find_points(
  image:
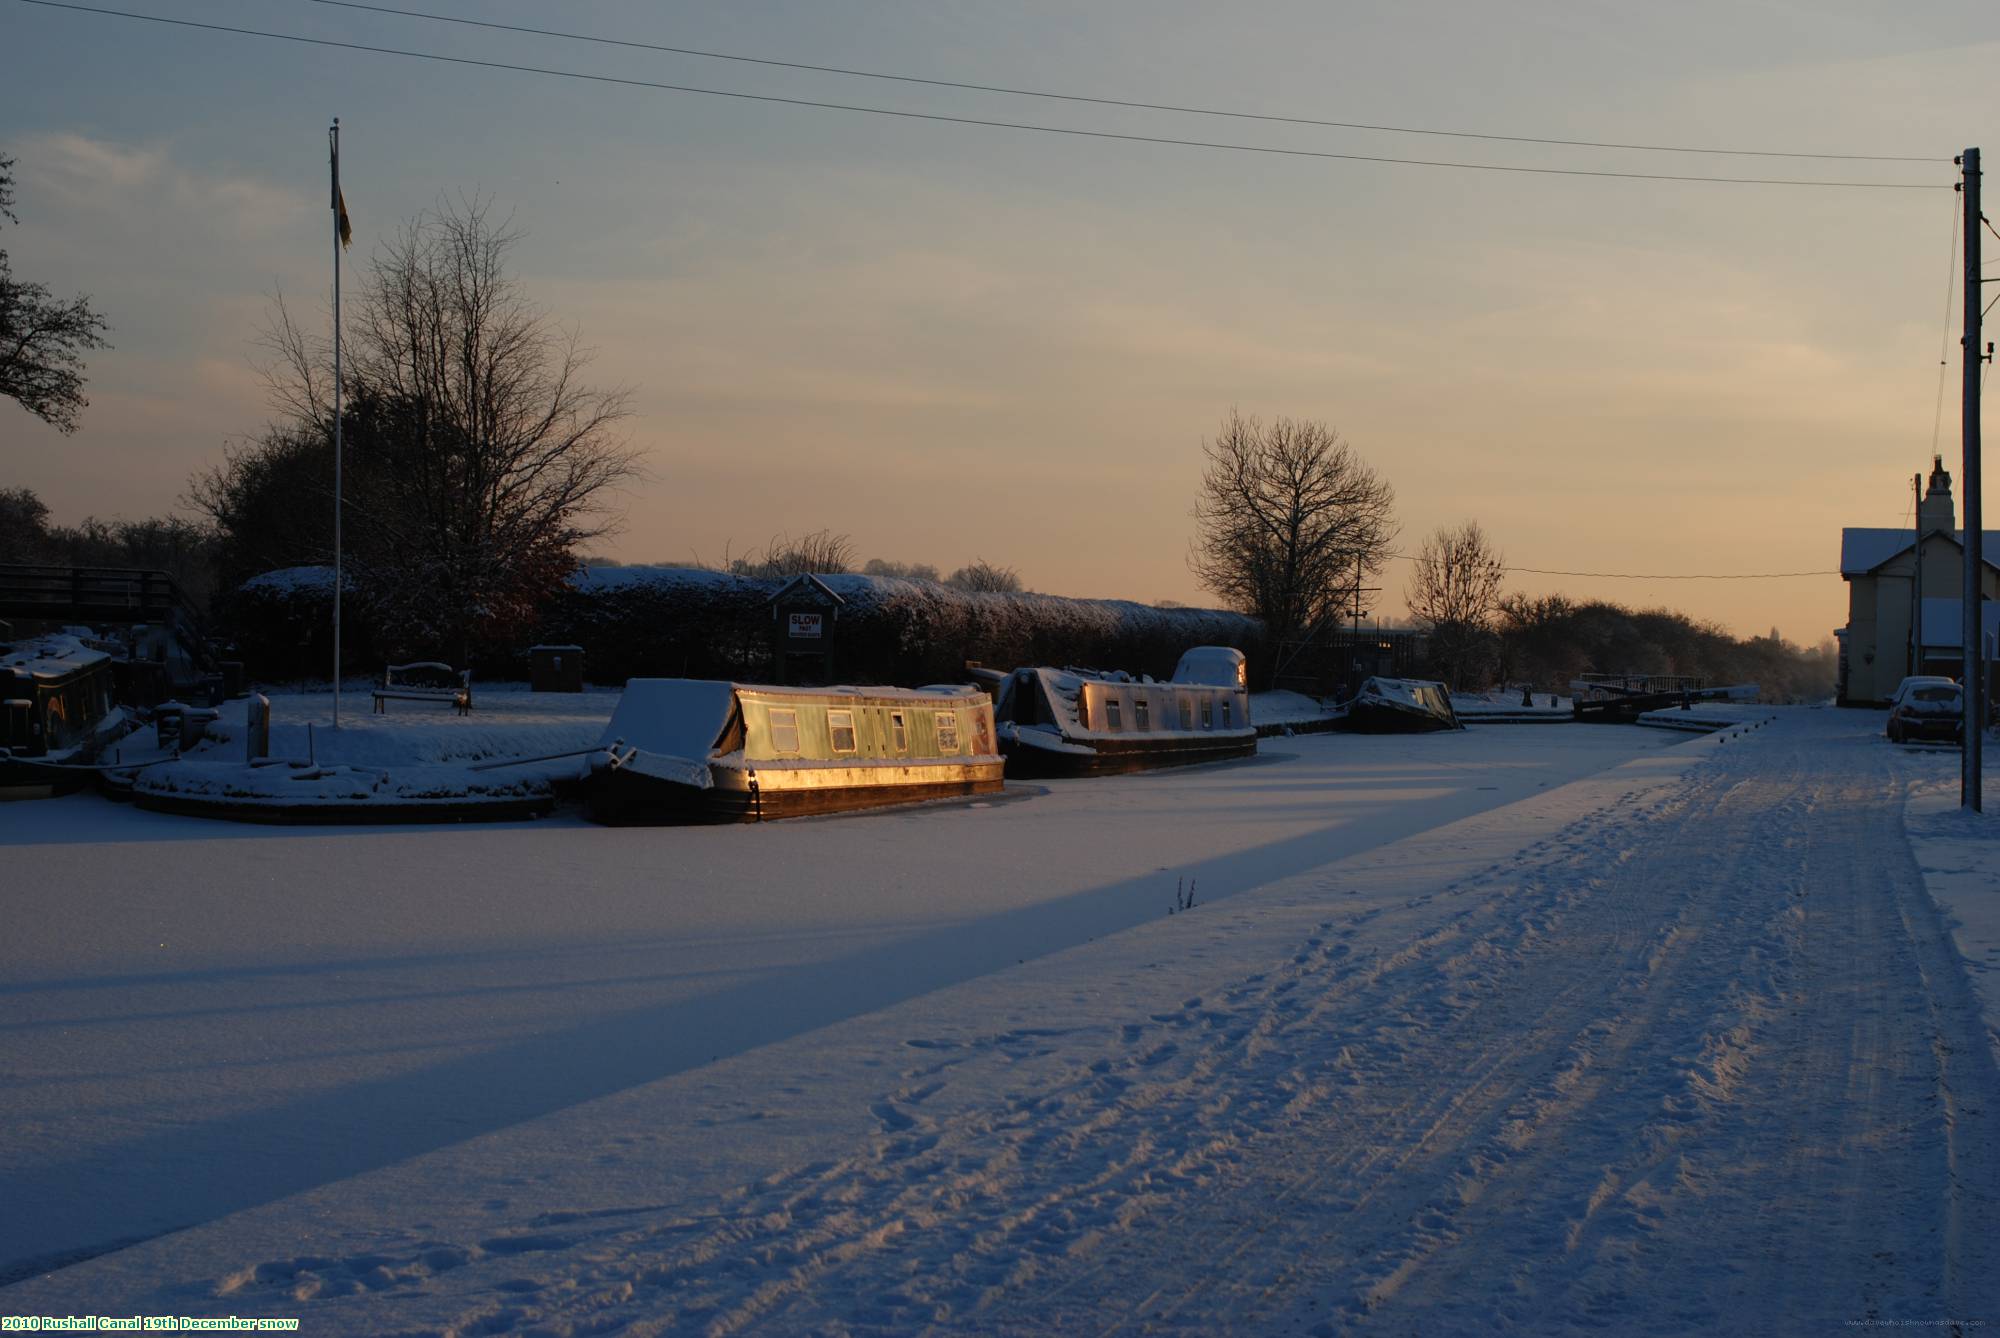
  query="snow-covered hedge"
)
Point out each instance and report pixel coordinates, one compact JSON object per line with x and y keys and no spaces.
{"x":635,"y":621}
{"x":682,"y":622}
{"x":282,"y":625}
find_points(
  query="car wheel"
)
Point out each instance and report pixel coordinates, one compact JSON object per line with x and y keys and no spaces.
{"x":1895,"y":732}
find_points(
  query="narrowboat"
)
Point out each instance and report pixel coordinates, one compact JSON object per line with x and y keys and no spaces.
{"x":1401,"y":706}
{"x":56,"y":713}
{"x":688,"y":750}
{"x":1087,"y":722}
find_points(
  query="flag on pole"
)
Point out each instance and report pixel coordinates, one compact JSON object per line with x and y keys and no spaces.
{"x":339,"y":200}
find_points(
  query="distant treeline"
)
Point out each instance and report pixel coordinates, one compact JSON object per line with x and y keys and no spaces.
{"x":182,"y":549}
{"x":1548,"y":641}
{"x":896,"y":628}
{"x":692,"y":623}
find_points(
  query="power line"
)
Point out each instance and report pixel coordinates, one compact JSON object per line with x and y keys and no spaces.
{"x":1651,"y":576}
{"x":1112,"y":102}
{"x":978,"y":121}
{"x":1944,"y":339}
{"x":1682,"y":576}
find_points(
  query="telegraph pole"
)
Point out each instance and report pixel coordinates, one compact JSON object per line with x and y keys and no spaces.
{"x":1975,"y":675}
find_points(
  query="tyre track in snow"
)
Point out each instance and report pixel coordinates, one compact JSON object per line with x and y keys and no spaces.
{"x":1518,"y":1056}
{"x":1779,"y":1122}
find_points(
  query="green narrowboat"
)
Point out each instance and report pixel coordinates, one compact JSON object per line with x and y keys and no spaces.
{"x":689,"y":750}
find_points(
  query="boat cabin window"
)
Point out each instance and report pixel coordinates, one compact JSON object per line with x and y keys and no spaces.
{"x":840,"y":726}
{"x":1207,"y":714}
{"x":784,"y":730}
{"x":947,"y":731}
{"x":1141,"y":709}
{"x":1225,"y":713}
{"x":1111,"y":713}
{"x":1187,"y":713}
{"x":899,"y":732}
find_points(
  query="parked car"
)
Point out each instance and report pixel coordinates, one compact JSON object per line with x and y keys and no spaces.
{"x":1926,"y":707}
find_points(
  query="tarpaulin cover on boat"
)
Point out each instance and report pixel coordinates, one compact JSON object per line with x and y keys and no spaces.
{"x":674,"y":723}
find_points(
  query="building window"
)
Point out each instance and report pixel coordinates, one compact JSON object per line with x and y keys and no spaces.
{"x":840,"y":727}
{"x":947,"y":731}
{"x":784,"y":730}
{"x":899,"y":733}
{"x":1141,"y":711}
{"x":1111,"y":720}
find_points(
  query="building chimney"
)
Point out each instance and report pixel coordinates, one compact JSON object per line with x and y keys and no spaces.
{"x":1936,"y":512}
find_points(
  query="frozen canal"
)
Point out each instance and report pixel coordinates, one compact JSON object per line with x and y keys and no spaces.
{"x":1552,"y":1028}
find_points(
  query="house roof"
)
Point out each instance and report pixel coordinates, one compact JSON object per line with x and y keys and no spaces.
{"x":1862,"y":550}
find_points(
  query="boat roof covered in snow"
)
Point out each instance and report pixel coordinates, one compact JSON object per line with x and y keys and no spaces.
{"x":1401,"y":705}
{"x":48,"y":657}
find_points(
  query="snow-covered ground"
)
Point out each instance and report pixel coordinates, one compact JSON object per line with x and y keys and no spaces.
{"x":413,"y":753}
{"x":1556,"y":1030}
{"x":1469,"y":706}
{"x":1959,"y":854}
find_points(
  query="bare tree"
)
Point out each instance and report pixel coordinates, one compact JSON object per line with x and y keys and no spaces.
{"x":24,"y":526}
{"x":1287,"y":516}
{"x":822,"y":553}
{"x":479,"y":459}
{"x":1454,"y":593}
{"x":42,"y":340}
{"x":985,"y":577}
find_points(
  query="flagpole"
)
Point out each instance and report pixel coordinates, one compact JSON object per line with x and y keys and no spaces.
{"x":334,"y":142}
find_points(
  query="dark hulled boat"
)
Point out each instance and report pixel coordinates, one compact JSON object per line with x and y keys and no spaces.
{"x":1085,"y":722}
{"x":1401,"y":706}
{"x":690,"y":750}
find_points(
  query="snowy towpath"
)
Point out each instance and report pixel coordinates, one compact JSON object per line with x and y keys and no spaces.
{"x":1699,"y":1060}
{"x":1678,"y":1048}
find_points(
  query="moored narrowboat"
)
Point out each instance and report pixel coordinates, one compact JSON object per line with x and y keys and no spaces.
{"x":1084,"y":722}
{"x":56,"y":713}
{"x":1401,"y":706}
{"x":691,"y":750}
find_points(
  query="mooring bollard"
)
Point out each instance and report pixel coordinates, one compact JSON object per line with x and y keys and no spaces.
{"x":257,"y":737}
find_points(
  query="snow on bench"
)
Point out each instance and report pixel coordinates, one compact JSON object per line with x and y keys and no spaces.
{"x":425,"y":681}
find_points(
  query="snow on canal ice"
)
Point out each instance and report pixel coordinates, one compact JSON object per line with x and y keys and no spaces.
{"x":1678,"y":1046}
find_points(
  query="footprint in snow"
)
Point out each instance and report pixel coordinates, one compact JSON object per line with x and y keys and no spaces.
{"x":893,"y":1120}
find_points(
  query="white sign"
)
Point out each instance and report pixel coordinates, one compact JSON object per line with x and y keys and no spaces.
{"x":805,"y":626}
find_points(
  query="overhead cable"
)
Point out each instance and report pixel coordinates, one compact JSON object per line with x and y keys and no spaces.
{"x":1944,"y":339}
{"x":1269,"y":150}
{"x":1100,"y":101}
{"x":1650,"y":576}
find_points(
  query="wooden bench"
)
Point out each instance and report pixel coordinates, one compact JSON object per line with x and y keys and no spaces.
{"x":425,"y":681}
